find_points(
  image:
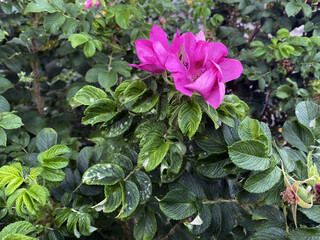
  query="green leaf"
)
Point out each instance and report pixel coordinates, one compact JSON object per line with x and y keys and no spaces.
{"x":122,"y":18}
{"x":152,"y":154}
{"x":312,"y":213}
{"x":307,"y":112}
{"x":121,"y":160}
{"x":77,"y":39}
{"x":11,"y":176}
{"x":103,"y":174}
{"x":53,"y":152}
{"x":5,"y":85}
{"x":178,"y":204}
{"x":53,"y":22}
{"x":201,"y":222}
{"x":89,"y":49}
{"x":209,"y":110}
{"x":307,"y":10}
{"x":121,"y":67}
{"x":4,"y":104}
{"x":69,"y":26}
{"x":212,"y":141}
{"x":273,"y":233}
{"x":107,"y":79}
{"x":89,"y":94}
{"x":283,"y":33}
{"x":292,"y":8}
{"x":305,"y":234}
{"x":100,"y":111}
{"x":263,"y":181}
{"x":46,"y":138}
{"x":113,"y":198}
{"x":59,"y":4}
{"x":250,"y":129}
{"x":130,"y":199}
{"x":284,"y":92}
{"x":133,"y":91}
{"x":146,"y":227}
{"x":117,"y":125}
{"x":54,"y":175}
{"x":18,"y":236}
{"x":19,"y":227}
{"x":145,"y":102}
{"x":3,"y":137}
{"x":250,"y":155}
{"x":297,"y":135}
{"x":10,"y":121}
{"x":39,"y":193}
{"x":212,"y":166}
{"x":189,"y":118}
{"x":39,"y":6}
{"x":144,"y":184}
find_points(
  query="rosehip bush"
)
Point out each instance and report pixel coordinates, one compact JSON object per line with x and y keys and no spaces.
{"x":148,"y":119}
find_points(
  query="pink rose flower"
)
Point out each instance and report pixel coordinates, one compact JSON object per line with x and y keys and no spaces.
{"x":153,"y":53}
{"x":202,"y":67}
{"x":89,"y":4}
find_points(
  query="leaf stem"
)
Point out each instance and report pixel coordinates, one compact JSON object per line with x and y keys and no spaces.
{"x":132,"y":172}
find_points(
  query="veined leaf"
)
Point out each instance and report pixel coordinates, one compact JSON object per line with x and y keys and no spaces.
{"x":178,"y":204}
{"x":251,"y":155}
{"x":189,"y":118}
{"x":103,"y":174}
{"x":130,"y":199}
{"x":152,"y":154}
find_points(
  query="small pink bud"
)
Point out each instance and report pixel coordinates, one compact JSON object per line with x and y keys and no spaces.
{"x":111,"y":4}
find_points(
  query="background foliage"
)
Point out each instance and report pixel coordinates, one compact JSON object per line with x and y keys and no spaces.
{"x":93,"y":149}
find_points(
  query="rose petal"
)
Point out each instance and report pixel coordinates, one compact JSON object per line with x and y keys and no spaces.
{"x":217,"y":51}
{"x":176,"y":44}
{"x":174,"y":65}
{"x":97,"y":3}
{"x":204,"y":83}
{"x":200,"y":54}
{"x":180,"y":81}
{"x":216,"y":95}
{"x":157,"y":34}
{"x":200,"y":36}
{"x":154,"y":68}
{"x":189,"y":47}
{"x":145,"y":51}
{"x":88,"y":4}
{"x":231,"y":69}
{"x":161,"y":53}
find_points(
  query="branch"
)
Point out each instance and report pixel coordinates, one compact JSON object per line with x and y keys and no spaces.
{"x":37,"y":86}
{"x":265,"y":104}
{"x":254,"y":33}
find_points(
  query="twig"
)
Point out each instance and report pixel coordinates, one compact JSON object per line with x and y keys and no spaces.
{"x":265,"y":104}
{"x":254,"y":33}
{"x":172,"y":230}
{"x":37,"y":86}
{"x":149,"y":76}
{"x":132,"y":172}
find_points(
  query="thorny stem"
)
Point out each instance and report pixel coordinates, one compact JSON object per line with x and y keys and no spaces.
{"x":37,"y":86}
{"x":132,"y":172}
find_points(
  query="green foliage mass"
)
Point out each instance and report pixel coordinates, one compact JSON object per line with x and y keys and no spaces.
{"x":93,"y":149}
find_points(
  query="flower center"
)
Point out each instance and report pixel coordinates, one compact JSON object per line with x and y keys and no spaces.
{"x":196,"y":75}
